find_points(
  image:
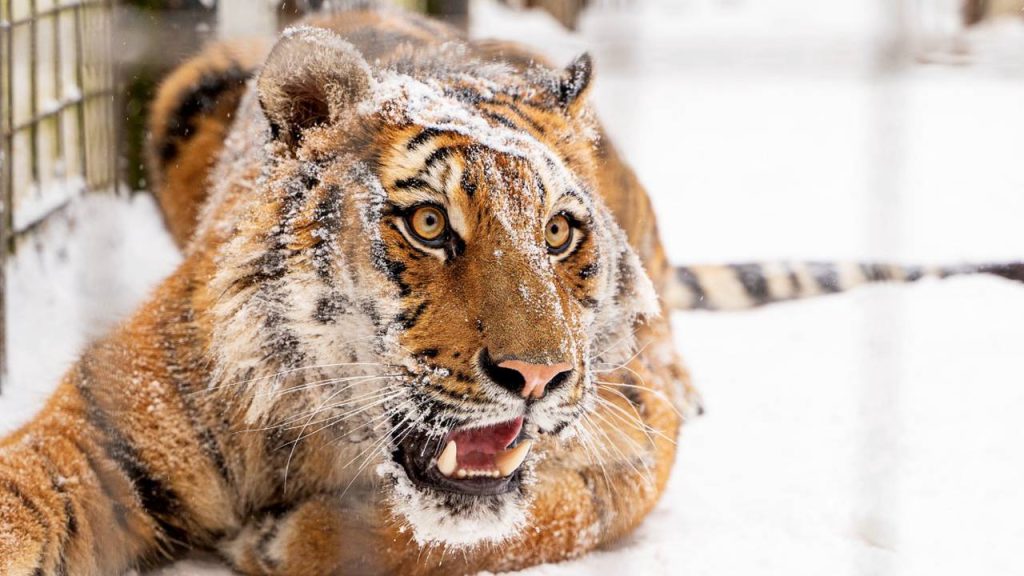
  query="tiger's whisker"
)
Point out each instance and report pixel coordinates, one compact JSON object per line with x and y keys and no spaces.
{"x":656,"y":393}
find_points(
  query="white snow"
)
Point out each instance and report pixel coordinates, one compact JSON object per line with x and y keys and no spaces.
{"x":876,"y":432}
{"x":88,"y":268}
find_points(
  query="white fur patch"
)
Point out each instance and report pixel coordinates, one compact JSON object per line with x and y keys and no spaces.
{"x":434,"y":522}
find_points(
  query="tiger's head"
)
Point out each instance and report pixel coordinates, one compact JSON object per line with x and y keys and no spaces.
{"x":426,"y":237}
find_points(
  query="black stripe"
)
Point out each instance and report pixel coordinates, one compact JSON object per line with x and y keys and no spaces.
{"x":794,"y":281}
{"x":504,"y":121}
{"x":330,"y":307}
{"x":913,"y":273}
{"x":70,"y":531}
{"x":182,"y":368}
{"x":201,"y":99}
{"x":116,"y":507}
{"x":263,"y":545}
{"x":157,"y":499}
{"x":1009,"y":270}
{"x":327,"y":215}
{"x":280,"y":342}
{"x":631,"y":391}
{"x":754,"y":282}
{"x":70,"y":518}
{"x":826,"y":275}
{"x":874,"y":272}
{"x":407,"y":319}
{"x":467,"y":185}
{"x":411,"y":183}
{"x":589,"y":270}
{"x":393,"y":269}
{"x":688,"y":279}
{"x":541,"y":188}
{"x":33,"y":509}
{"x":14,"y":490}
{"x":467,"y":95}
{"x":441,"y":153}
{"x":422,"y":138}
{"x":518,"y":112}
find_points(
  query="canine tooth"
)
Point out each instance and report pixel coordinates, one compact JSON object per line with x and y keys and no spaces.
{"x":509,"y":460}
{"x":447,"y":461}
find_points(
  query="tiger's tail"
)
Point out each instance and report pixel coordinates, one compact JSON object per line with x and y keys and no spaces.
{"x":749,"y":285}
{"x":188,"y":122}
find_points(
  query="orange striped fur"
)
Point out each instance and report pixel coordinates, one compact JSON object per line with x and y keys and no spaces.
{"x":260,"y":402}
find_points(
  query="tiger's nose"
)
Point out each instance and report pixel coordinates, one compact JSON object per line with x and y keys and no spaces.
{"x":537,"y":377}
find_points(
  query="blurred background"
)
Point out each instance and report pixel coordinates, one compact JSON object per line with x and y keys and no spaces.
{"x":871,"y":433}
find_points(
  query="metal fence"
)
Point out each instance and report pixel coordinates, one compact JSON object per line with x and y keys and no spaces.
{"x":57,"y":127}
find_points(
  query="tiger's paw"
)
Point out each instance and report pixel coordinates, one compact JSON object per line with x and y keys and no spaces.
{"x":315,"y":538}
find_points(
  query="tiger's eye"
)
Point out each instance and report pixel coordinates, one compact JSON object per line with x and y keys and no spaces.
{"x":428,"y":223}
{"x":558,"y":233}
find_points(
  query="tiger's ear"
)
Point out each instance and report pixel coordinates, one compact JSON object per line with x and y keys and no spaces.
{"x":574,"y":84}
{"x":311,"y":77}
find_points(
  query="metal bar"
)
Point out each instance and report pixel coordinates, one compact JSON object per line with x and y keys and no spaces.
{"x":80,"y":82}
{"x":83,"y":63}
{"x":30,"y":228}
{"x":8,"y":23}
{"x":58,"y":92}
{"x":33,"y":86}
{"x":6,"y":182}
{"x":64,"y":105}
{"x":115,"y":102}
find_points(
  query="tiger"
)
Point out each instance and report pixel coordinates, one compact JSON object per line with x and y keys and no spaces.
{"x":421,"y":323}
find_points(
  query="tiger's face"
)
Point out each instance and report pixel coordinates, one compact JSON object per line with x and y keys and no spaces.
{"x":446,"y":231}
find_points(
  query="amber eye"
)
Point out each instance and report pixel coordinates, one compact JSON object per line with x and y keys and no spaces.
{"x":558,"y":234}
{"x":427,"y":224}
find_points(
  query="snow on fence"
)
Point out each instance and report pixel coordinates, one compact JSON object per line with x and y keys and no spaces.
{"x":56,"y":119}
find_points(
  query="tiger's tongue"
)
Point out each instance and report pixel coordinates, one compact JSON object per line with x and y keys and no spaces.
{"x":477,"y":446}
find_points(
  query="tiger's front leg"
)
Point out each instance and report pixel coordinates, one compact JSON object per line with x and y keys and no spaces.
{"x":66,"y":507}
{"x":112,"y":474}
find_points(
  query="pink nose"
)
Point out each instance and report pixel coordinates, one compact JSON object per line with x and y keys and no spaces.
{"x":535,"y":376}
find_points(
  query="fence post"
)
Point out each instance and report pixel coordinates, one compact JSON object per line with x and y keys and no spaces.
{"x":6,"y":204}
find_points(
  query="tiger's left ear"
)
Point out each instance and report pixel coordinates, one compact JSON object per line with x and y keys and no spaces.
{"x":312,"y":77}
{"x":574,"y":84}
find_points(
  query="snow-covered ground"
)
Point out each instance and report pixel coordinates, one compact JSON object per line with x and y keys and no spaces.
{"x":876,"y":432}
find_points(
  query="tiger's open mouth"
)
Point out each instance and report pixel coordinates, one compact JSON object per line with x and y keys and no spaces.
{"x":482,"y":461}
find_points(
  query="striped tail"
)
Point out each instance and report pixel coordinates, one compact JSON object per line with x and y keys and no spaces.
{"x":741,"y":286}
{"x":188,"y":122}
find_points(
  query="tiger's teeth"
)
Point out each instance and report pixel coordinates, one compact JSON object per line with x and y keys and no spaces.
{"x":447,"y":461}
{"x":478,"y":473}
{"x":508,"y":461}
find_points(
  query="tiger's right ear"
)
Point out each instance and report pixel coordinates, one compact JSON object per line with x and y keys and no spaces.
{"x":311,"y":77}
{"x":574,"y":85}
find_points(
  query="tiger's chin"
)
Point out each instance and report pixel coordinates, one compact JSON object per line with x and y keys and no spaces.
{"x":438,"y":518}
{"x":464,"y":488}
